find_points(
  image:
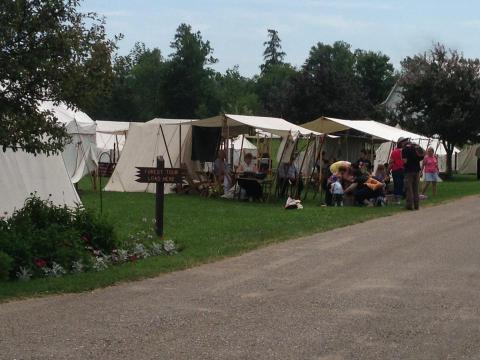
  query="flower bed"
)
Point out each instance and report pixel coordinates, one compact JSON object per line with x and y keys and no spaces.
{"x":45,"y":240}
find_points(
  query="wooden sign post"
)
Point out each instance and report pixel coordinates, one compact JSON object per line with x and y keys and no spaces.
{"x":160,"y":176}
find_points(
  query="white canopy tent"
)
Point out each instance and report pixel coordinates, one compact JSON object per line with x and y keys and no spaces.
{"x":378,"y":132}
{"x":275,"y":126}
{"x":79,"y":154}
{"x":111,"y":137}
{"x":241,"y":146}
{"x":467,"y":159}
{"x":23,"y":174}
{"x":169,"y":138}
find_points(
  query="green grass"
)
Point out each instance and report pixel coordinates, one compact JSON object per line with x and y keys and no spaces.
{"x":209,"y":229}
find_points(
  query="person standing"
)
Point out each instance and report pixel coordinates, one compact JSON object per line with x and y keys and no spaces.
{"x":412,"y":155}
{"x":395,"y":166}
{"x":430,"y":166}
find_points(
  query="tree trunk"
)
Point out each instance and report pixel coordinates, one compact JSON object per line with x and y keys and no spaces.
{"x":449,"y":150}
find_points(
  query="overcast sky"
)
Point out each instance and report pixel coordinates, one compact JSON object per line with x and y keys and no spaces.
{"x":237,"y":29}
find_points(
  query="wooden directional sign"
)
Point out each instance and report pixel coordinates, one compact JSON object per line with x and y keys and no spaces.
{"x":160,"y":176}
{"x":156,"y":175}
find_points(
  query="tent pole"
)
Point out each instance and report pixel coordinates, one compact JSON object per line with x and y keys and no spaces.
{"x":166,"y":146}
{"x":316,"y":159}
{"x":299,"y":176}
{"x":180,"y":145}
{"x":275,"y":179}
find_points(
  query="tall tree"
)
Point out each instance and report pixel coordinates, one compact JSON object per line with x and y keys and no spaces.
{"x":188,"y":83}
{"x":274,"y":88}
{"x":441,"y":96}
{"x":273,"y":54}
{"x":49,"y":51}
{"x":375,"y":74}
{"x":236,"y":93}
{"x":327,"y":85}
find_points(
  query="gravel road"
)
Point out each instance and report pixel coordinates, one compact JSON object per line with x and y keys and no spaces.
{"x":401,"y":287}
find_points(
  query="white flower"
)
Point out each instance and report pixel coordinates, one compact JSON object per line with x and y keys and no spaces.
{"x":55,"y":271}
{"x":122,"y":254}
{"x":100,"y":264}
{"x":140,"y":251}
{"x":169,"y":247}
{"x":23,"y":274}
{"x":157,"y":249}
{"x":77,"y":267}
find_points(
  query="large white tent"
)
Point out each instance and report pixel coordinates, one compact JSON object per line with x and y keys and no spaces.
{"x":111,"y":137}
{"x":170,"y":138}
{"x":80,"y":153}
{"x":467,"y":159}
{"x":240,"y":124}
{"x":378,"y":133}
{"x":23,"y":174}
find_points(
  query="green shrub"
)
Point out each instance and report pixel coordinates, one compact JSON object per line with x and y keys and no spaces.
{"x":6,"y":265}
{"x":42,"y":233}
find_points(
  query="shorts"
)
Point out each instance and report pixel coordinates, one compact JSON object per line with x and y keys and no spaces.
{"x":431,"y":177}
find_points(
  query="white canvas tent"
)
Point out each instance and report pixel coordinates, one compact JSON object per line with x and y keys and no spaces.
{"x":239,"y":146}
{"x":111,"y":137}
{"x":79,"y":154}
{"x":169,"y":138}
{"x":23,"y":173}
{"x":239,"y":124}
{"x":467,"y":159}
{"x":378,"y":132}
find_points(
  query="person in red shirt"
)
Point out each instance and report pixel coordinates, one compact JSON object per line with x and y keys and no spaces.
{"x":395,"y":166}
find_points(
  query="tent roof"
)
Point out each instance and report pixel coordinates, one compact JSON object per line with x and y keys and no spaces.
{"x":76,"y":121}
{"x":163,"y":121}
{"x":370,"y":127}
{"x":237,"y":143}
{"x":112,"y":127}
{"x":272,"y":125}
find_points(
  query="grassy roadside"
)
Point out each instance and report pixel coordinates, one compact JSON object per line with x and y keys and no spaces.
{"x":210,"y":229}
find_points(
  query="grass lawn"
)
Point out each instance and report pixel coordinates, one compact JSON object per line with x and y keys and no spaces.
{"x":209,"y":229}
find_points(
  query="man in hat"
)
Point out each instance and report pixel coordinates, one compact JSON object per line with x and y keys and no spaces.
{"x":412,"y":155}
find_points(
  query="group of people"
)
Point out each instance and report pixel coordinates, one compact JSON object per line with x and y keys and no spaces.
{"x":359,"y":180}
{"x":406,"y":166}
{"x":408,"y":163}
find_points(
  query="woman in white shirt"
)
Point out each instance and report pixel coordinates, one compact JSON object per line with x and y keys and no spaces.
{"x":248,"y":165}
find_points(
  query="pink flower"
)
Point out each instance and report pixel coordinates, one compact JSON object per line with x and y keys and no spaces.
{"x":40,"y":263}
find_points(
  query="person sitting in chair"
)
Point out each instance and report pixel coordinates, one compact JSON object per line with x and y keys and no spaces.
{"x":248,"y":165}
{"x":288,"y":175}
{"x":250,"y":185}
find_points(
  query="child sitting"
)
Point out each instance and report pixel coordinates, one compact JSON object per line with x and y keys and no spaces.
{"x":336,"y":189}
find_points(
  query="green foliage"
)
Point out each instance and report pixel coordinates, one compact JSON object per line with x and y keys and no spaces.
{"x":273,"y":54}
{"x":48,"y":53}
{"x":275,"y":87}
{"x":42,"y":233}
{"x":236,"y":93}
{"x":441,"y":96}
{"x":188,"y":81}
{"x":6,"y":265}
